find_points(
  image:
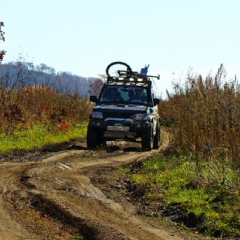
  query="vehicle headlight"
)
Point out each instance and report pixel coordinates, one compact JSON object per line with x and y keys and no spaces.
{"x":139,"y":116}
{"x":97,"y":115}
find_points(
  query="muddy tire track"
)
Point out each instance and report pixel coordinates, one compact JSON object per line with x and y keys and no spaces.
{"x":55,"y":198}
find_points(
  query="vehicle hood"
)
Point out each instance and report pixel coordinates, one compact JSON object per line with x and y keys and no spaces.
{"x":120,"y":108}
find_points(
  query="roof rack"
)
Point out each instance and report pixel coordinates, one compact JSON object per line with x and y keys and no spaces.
{"x":125,"y":76}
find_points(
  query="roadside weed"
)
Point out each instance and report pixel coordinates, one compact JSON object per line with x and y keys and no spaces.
{"x":203,"y":192}
{"x":37,"y":137}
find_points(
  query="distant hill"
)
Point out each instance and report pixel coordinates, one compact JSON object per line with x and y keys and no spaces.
{"x":15,"y":75}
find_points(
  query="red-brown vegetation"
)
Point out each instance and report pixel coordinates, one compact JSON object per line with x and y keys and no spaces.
{"x":33,"y":104}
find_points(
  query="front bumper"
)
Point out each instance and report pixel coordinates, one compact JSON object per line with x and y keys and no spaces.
{"x":125,"y":128}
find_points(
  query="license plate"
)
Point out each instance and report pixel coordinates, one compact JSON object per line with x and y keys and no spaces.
{"x":118,"y":128}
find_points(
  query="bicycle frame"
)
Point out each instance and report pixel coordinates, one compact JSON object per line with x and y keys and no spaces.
{"x":124,"y":73}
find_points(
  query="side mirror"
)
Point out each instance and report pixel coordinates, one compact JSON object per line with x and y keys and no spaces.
{"x":93,"y":98}
{"x":156,"y":101}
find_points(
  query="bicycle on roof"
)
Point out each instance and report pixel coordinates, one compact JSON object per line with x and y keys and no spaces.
{"x":120,"y":71}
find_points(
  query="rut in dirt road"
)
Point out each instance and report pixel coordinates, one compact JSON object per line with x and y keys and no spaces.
{"x":55,"y":199}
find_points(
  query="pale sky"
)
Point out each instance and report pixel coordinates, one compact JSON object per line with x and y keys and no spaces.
{"x":84,"y":36}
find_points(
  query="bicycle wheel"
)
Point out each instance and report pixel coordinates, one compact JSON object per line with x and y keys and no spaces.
{"x":115,"y":69}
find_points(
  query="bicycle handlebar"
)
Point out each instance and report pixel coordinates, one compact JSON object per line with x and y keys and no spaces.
{"x":127,"y":73}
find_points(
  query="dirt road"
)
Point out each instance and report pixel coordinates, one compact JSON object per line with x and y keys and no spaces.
{"x":57,"y":197}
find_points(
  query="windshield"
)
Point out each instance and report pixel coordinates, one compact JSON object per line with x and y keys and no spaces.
{"x":128,"y":94}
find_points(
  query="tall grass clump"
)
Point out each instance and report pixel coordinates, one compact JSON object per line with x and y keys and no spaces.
{"x":33,"y":105}
{"x":204,"y":117}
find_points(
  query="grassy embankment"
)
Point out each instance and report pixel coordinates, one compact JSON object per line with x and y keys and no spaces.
{"x":34,"y":117}
{"x":38,"y":136}
{"x":198,"y":177}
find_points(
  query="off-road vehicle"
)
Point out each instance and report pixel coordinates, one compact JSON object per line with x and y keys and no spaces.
{"x":125,"y":109}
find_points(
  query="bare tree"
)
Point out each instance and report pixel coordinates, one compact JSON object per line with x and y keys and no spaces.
{"x":95,"y":87}
{"x":2,"y":38}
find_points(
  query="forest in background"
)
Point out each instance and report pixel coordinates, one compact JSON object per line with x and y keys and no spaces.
{"x":15,"y":75}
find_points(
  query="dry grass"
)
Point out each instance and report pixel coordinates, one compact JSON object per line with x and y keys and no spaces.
{"x":32,"y":105}
{"x":205,"y":118}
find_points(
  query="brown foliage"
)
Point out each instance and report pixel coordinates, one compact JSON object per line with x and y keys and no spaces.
{"x":40,"y":104}
{"x":205,"y":117}
{"x":95,"y":87}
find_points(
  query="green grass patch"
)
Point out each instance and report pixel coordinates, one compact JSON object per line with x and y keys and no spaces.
{"x":208,"y":190}
{"x":39,"y":136}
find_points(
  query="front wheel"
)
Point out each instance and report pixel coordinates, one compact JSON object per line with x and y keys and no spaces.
{"x":157,"y":138}
{"x":147,"y":139}
{"x":92,"y":138}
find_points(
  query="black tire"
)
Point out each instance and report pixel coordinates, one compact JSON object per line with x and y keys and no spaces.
{"x":92,"y":138}
{"x":113,"y":68}
{"x":147,"y":139}
{"x":102,"y":143}
{"x":157,"y":137}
